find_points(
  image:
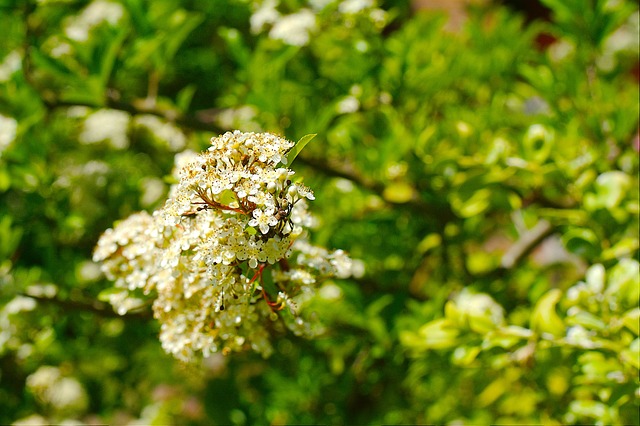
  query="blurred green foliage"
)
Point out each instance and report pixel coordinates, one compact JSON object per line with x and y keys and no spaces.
{"x":488,"y":182}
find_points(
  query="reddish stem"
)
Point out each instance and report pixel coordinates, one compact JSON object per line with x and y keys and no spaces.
{"x":274,"y":306}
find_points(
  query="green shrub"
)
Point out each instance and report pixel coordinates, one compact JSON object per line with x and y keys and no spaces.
{"x":489,"y":185}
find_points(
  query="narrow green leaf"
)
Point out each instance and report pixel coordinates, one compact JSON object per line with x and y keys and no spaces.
{"x":293,"y":153}
{"x":105,"y":295}
{"x":184,"y":97}
{"x":183,"y":24}
{"x":544,"y":318}
{"x":52,"y":65}
{"x":109,"y":57}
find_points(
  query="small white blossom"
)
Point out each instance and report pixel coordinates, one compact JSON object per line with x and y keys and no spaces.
{"x":64,"y":394}
{"x":294,"y":29}
{"x":106,"y":125}
{"x":10,"y":65}
{"x":263,"y":220}
{"x":166,"y":132}
{"x":265,"y":14}
{"x":348,"y":105}
{"x":8,"y":131}
{"x":93,"y":15}
{"x":19,"y":304}
{"x":354,"y":6}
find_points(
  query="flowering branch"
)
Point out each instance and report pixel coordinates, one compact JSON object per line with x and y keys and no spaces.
{"x":204,"y":266}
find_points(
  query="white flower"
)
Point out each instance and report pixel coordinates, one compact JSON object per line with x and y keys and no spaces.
{"x":320,"y":4}
{"x":93,"y":15}
{"x":106,"y":124}
{"x":62,"y":393}
{"x":8,"y":131}
{"x":348,"y":105}
{"x":166,"y":132}
{"x":354,"y":6}
{"x":263,"y":220}
{"x":294,"y":29}
{"x":19,"y":304}
{"x":265,"y":14}
{"x":11,"y":63}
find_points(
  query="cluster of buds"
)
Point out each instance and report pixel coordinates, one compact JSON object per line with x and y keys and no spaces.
{"x":225,"y":261}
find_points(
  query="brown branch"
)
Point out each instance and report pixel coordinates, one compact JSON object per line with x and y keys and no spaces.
{"x":525,"y":245}
{"x":345,"y":172}
{"x":205,"y":122}
{"x":439,"y":212}
{"x":95,"y":307}
{"x":201,"y":121}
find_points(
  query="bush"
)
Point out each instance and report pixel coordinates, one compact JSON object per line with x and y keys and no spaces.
{"x":487,"y":181}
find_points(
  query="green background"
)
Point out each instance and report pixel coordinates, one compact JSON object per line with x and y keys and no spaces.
{"x":487,"y":178}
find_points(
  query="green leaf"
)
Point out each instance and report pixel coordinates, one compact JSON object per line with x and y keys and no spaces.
{"x":184,"y":97}
{"x":227,"y":197}
{"x":429,"y":242}
{"x":471,"y":205}
{"x":237,"y":48}
{"x":624,"y":282}
{"x":293,"y":153}
{"x":398,"y":192}
{"x":586,"y":320}
{"x":631,"y":319}
{"x":544,"y":318}
{"x":610,"y":189}
{"x":624,"y":247}
{"x":465,"y":355}
{"x":582,"y":241}
{"x":104,"y":295}
{"x":183,"y":24}
{"x":439,"y":334}
{"x":52,"y":65}
{"x":109,"y":57}
{"x":630,"y":355}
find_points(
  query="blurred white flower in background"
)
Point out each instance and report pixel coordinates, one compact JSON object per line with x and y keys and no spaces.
{"x":106,"y":125}
{"x":93,"y":15}
{"x":11,"y":63}
{"x":624,"y":39}
{"x":163,"y":130}
{"x":7,"y":329}
{"x":348,"y":105}
{"x":354,"y":6}
{"x":294,"y":29}
{"x":265,"y":14}
{"x":8,"y":131}
{"x":320,"y":4}
{"x":242,"y":118}
{"x":62,"y":394}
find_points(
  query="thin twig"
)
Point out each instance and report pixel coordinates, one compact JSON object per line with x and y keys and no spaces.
{"x":93,"y":306}
{"x":525,"y":244}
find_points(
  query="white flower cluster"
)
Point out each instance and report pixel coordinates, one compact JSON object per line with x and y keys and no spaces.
{"x":294,"y":29}
{"x":11,"y":64}
{"x":61,"y":394}
{"x":97,"y":12}
{"x":166,"y":132}
{"x":106,"y":125}
{"x":298,"y":28}
{"x":225,"y":257}
{"x":8,"y":131}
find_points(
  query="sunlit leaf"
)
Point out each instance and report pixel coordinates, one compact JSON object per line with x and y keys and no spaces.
{"x":297,"y":148}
